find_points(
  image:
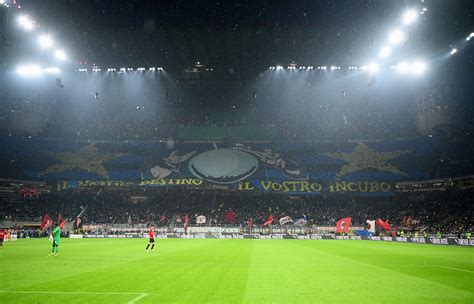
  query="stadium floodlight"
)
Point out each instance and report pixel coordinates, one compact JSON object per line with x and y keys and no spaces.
{"x":402,"y":67}
{"x":26,"y":23}
{"x":152,"y":69}
{"x":396,"y":37}
{"x":45,"y":41}
{"x":333,"y":68}
{"x":424,"y":10}
{"x":372,"y":67}
{"x":52,"y":70}
{"x":470,"y":36}
{"x":122,"y":69}
{"x":418,"y":67}
{"x":453,"y":51}
{"x":29,"y":70}
{"x":279,"y":67}
{"x":60,"y":54}
{"x":409,"y":16}
{"x":385,"y":51}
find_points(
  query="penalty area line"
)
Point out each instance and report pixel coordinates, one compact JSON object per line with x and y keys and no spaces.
{"x":140,"y":295}
{"x":458,"y":269}
{"x":138,"y":298}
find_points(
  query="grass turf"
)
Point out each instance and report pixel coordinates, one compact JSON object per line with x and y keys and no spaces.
{"x":234,"y":271}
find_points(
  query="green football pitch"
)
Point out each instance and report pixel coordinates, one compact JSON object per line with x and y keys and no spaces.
{"x":234,"y":271}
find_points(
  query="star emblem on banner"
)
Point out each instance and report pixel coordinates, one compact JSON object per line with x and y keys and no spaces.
{"x":86,"y":159}
{"x":364,"y":157}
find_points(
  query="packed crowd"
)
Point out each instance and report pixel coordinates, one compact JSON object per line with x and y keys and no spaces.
{"x":449,"y":212}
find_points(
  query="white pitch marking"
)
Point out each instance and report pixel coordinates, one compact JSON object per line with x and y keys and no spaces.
{"x":458,"y":269}
{"x":134,"y":300}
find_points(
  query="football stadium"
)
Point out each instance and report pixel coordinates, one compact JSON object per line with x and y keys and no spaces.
{"x":236,"y":151}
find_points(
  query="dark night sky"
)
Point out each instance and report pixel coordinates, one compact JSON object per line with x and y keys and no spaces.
{"x":245,"y":36}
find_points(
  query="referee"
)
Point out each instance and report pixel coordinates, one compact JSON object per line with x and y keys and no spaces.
{"x":151,"y":236}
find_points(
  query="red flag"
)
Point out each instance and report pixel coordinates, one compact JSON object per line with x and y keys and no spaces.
{"x":46,"y":222}
{"x":269,"y":221}
{"x":61,"y":221}
{"x":384,"y":225}
{"x":229,"y":216}
{"x":186,"y":222}
{"x":163,"y":218}
{"x":343,"y":225}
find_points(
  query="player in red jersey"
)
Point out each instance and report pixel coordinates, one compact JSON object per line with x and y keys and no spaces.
{"x":151,"y":237}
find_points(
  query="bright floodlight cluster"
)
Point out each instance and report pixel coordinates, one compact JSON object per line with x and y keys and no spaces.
{"x":60,"y":54}
{"x":26,"y":22}
{"x":409,"y":16}
{"x":396,"y":37}
{"x":416,"y":67}
{"x":121,"y":70}
{"x":45,"y":41}
{"x":31,"y":70}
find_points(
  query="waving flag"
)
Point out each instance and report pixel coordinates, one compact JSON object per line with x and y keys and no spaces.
{"x":201,"y":219}
{"x":371,"y":225}
{"x":301,"y":221}
{"x":62,"y":221}
{"x":269,"y":221}
{"x":385,"y":225}
{"x":229,"y":216}
{"x":343,"y":225}
{"x":186,"y":223}
{"x":285,"y":219}
{"x":46,"y":222}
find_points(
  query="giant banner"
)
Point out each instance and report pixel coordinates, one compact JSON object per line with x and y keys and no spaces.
{"x":367,"y":168}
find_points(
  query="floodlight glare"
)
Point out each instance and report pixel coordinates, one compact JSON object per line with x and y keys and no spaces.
{"x":29,"y":70}
{"x":402,"y":67}
{"x":385,"y":51}
{"x":453,"y":51}
{"x":60,"y":54}
{"x":52,"y":70}
{"x":469,"y":37}
{"x":45,"y":41}
{"x":372,"y":67}
{"x":396,"y":37}
{"x":26,"y":23}
{"x":409,"y":16}
{"x":418,"y":67}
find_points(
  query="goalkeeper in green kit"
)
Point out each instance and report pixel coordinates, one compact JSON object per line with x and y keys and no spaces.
{"x":56,"y":236}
